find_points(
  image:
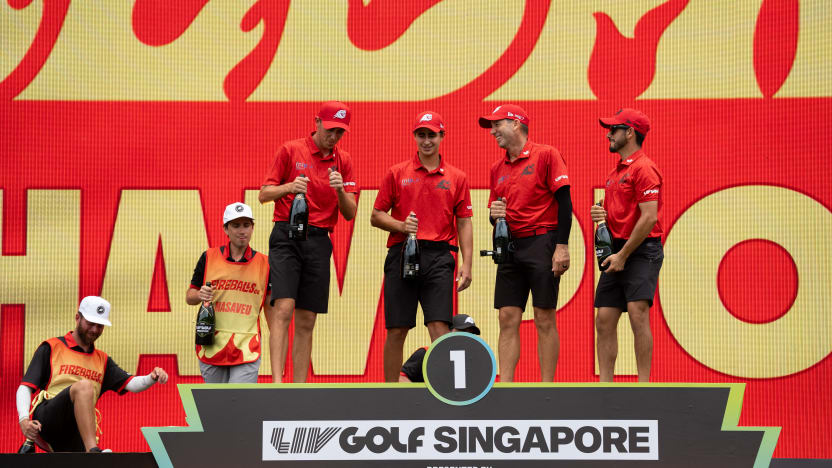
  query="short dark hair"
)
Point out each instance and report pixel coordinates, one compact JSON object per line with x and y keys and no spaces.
{"x":639,"y":138}
{"x":440,"y":132}
{"x":523,"y":127}
{"x":226,"y":224}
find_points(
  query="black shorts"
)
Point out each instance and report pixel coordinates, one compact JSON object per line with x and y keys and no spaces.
{"x":637,"y":281}
{"x":434,"y":289}
{"x":529,"y":270}
{"x":58,"y":426}
{"x":300,"y":269}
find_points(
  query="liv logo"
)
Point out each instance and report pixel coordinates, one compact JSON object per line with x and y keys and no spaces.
{"x":304,"y":439}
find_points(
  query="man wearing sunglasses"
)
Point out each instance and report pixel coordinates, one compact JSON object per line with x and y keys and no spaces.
{"x":632,"y":200}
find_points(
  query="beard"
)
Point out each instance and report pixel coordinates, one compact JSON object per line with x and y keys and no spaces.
{"x":87,"y":336}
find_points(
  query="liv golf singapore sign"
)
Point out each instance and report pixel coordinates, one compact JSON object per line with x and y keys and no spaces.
{"x":459,"y":417}
{"x":461,"y":440}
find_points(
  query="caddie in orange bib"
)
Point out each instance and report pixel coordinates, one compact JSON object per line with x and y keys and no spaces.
{"x":239,"y":281}
{"x":69,"y":375}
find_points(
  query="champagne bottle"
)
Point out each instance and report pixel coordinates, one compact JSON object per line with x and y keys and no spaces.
{"x":501,"y":242}
{"x":410,"y":258}
{"x":299,"y":217}
{"x":27,"y":447}
{"x":603,"y":243}
{"x":206,"y":323}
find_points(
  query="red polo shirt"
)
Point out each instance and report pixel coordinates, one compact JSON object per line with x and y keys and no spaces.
{"x":634,"y":180}
{"x":528,"y":184}
{"x":437,"y":197}
{"x":302,"y":156}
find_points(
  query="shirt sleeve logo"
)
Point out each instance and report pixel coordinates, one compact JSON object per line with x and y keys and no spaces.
{"x":560,"y":177}
{"x":649,"y":192}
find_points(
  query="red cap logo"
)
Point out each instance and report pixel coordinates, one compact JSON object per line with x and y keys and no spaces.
{"x":430,"y":120}
{"x":629,"y":117}
{"x":334,"y":114}
{"x":506,"y":111}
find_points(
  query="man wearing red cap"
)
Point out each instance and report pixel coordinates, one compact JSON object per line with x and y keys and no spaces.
{"x":430,"y":198}
{"x":530,"y":189}
{"x":632,"y":200}
{"x":299,"y":270}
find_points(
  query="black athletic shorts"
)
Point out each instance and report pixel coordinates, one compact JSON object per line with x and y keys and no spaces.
{"x":637,"y":281}
{"x":300,"y":269}
{"x":57,"y":421}
{"x":529,"y":270}
{"x":434,"y":289}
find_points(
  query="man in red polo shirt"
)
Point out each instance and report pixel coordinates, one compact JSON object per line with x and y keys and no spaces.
{"x":530,"y":189}
{"x":632,"y":200}
{"x":299,"y":270}
{"x":429,"y":198}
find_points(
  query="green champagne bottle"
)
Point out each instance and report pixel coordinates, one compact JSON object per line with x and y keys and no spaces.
{"x":206,"y":323}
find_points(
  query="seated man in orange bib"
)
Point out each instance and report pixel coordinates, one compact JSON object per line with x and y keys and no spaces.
{"x":239,"y":279}
{"x":71,"y":374}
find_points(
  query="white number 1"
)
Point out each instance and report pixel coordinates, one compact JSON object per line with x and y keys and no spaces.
{"x":458,"y":361}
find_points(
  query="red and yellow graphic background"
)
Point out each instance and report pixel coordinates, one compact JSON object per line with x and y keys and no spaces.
{"x":128,"y":126}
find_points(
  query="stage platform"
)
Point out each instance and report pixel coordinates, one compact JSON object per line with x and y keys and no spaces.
{"x":146,"y":460}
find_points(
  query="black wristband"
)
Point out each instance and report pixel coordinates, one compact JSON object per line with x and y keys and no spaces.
{"x":564,"y":214}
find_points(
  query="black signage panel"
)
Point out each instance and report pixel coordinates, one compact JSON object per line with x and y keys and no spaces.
{"x":512,"y":425}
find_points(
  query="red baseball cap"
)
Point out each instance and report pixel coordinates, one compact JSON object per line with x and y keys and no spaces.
{"x":629,"y":117}
{"x":506,"y":111}
{"x":430,"y":120}
{"x":335,"y":114}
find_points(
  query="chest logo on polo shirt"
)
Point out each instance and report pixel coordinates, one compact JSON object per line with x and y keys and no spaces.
{"x":444,"y":185}
{"x":501,"y":179}
{"x":302,"y":165}
{"x":624,"y":178}
{"x":528,"y":170}
{"x":410,"y":180}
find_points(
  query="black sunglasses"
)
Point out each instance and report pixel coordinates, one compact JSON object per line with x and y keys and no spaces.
{"x":619,"y":127}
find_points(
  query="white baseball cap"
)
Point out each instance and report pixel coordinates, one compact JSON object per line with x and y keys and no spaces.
{"x":235,"y":211}
{"x":95,"y":309}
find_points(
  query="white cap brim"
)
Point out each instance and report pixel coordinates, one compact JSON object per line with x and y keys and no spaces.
{"x":98,"y":320}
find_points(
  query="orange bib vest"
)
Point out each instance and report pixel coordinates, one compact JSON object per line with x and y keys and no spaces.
{"x":239,"y":294}
{"x":69,"y":366}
